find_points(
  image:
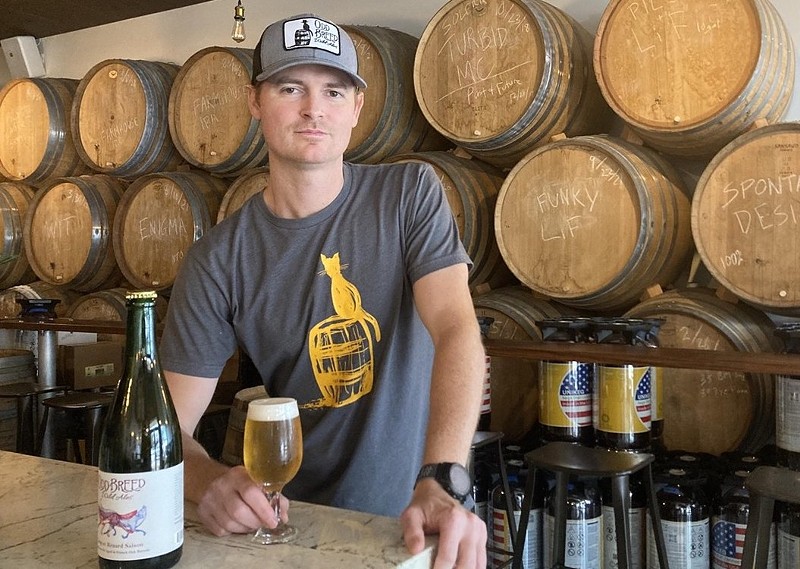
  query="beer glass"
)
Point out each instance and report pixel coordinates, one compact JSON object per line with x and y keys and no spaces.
{"x":273,"y":451}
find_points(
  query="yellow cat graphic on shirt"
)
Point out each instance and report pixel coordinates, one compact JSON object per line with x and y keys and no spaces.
{"x":340,"y":346}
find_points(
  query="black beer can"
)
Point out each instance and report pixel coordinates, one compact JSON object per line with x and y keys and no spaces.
{"x":685,"y":520}
{"x":787,"y":404}
{"x":788,"y":536}
{"x":565,"y":387}
{"x":729,"y":525}
{"x":636,"y":519}
{"x":583,"y":546}
{"x":622,"y":395}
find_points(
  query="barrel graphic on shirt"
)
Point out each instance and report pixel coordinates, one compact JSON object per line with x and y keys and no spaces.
{"x":341,"y":346}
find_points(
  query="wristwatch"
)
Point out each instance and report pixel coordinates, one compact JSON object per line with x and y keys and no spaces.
{"x":451,"y":476}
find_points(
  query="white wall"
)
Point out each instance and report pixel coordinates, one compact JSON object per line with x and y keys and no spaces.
{"x":175,"y":35}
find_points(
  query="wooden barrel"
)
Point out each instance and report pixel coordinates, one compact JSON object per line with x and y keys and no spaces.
{"x":497,"y":77}
{"x":234,"y":436}
{"x":10,"y":308}
{"x":109,"y":305}
{"x":15,"y":197}
{"x":15,"y":366}
{"x":209,"y":119}
{"x":713,"y":411}
{"x":159,"y":218}
{"x":514,"y":381}
{"x":471,"y":187}
{"x":68,"y":232}
{"x":243,"y":188}
{"x":703,"y":75}
{"x":391,"y":121}
{"x":120,"y":118}
{"x":593,"y":222}
{"x":35,"y":135}
{"x":746,"y":217}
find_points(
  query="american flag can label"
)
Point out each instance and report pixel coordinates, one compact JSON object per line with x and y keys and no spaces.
{"x":623,"y":399}
{"x":566,"y":394}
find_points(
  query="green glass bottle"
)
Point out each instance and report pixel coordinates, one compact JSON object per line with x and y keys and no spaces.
{"x":140,"y":482}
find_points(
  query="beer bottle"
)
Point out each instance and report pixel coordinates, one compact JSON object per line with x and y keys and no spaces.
{"x":583,"y":546}
{"x":140,"y":493}
{"x":685,"y":521}
{"x":565,"y":387}
{"x":729,"y":525}
{"x":622,"y":394}
{"x":485,"y":417}
{"x":787,"y":404}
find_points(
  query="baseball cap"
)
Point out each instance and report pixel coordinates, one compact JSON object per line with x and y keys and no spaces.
{"x":302,"y":40}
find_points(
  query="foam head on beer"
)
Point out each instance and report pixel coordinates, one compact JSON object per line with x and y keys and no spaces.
{"x":273,"y":409}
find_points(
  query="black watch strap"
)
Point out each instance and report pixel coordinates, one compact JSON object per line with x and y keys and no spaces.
{"x":451,"y":476}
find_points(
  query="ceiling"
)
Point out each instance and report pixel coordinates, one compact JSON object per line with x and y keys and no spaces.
{"x":42,"y":18}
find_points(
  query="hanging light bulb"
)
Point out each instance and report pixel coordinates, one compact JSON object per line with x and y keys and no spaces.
{"x":237,"y":34}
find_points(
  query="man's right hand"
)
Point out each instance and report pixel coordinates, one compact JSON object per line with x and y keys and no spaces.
{"x":233,"y":503}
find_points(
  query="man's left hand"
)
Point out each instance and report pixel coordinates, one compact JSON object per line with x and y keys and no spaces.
{"x":462,"y":534}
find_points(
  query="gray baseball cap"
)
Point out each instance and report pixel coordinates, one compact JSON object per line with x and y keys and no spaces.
{"x":302,"y":40}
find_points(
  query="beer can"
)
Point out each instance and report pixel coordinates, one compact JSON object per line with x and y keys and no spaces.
{"x":583,"y":546}
{"x":787,"y":403}
{"x":636,"y":519}
{"x":729,"y":525}
{"x":685,"y":521}
{"x":501,"y":548}
{"x":788,"y":536}
{"x":565,"y":387}
{"x":485,"y":417}
{"x":623,"y":401}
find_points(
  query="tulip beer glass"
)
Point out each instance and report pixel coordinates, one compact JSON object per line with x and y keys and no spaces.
{"x":273,"y":451}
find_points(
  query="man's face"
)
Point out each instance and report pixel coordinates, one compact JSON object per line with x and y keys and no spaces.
{"x":307,"y":114}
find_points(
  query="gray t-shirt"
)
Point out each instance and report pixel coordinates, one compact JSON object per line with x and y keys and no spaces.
{"x":323,"y":306}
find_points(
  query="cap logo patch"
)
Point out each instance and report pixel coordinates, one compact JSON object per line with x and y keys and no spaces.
{"x":311,"y":32}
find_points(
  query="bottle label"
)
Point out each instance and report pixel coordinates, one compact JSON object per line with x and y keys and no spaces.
{"x":500,"y":538}
{"x":140,"y":515}
{"x":583,"y":545}
{"x":787,"y":413}
{"x":687,"y":544}
{"x":566,"y":394}
{"x":788,"y":549}
{"x":636,"y":517}
{"x":623,"y":395}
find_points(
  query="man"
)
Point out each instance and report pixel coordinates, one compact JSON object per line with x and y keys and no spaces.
{"x":347,"y":287}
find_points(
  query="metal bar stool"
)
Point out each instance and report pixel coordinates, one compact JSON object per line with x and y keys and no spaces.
{"x":26,"y":394}
{"x":766,"y":484}
{"x":77,"y":415}
{"x":565,"y":459}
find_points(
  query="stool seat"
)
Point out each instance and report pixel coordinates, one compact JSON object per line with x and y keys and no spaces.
{"x":765,"y":485}
{"x":573,"y":459}
{"x":587,"y":461}
{"x":80,"y":400}
{"x":81,"y":414}
{"x":26,"y":394}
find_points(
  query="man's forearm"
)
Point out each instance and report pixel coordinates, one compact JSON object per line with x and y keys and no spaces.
{"x":199,"y":469}
{"x":456,"y":387}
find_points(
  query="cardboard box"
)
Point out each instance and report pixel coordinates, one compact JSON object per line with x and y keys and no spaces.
{"x":84,"y":366}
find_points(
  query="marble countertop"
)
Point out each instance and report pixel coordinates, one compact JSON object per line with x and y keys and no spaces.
{"x":48,"y":519}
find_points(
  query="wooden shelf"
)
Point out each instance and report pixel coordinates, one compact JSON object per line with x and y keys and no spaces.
{"x":748,"y":362}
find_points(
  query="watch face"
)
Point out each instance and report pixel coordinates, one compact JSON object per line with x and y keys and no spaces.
{"x":460,"y":480}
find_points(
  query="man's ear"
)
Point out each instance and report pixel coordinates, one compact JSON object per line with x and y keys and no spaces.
{"x":252,"y":102}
